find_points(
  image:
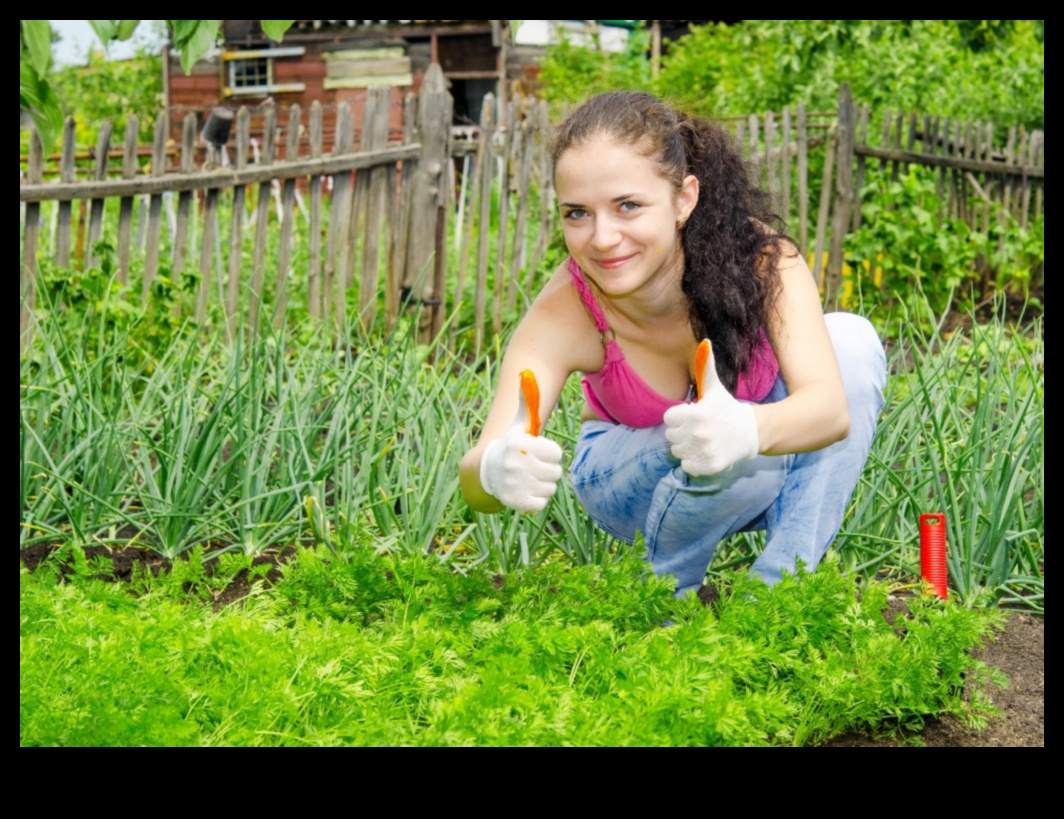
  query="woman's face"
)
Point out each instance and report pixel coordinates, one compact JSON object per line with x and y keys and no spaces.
{"x":619,"y":216}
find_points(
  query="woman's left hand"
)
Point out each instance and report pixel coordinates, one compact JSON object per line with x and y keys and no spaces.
{"x":714,"y":433}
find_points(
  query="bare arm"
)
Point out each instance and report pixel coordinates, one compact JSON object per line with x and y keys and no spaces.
{"x":549,"y":342}
{"x":814,"y":414}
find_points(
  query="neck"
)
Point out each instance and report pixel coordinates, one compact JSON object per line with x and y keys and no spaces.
{"x":660,"y":299}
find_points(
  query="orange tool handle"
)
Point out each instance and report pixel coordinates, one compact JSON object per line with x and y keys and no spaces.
{"x":701,"y":357}
{"x":530,"y":389}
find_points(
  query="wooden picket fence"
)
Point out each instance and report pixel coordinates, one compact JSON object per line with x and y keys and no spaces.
{"x":975,"y":179}
{"x":388,"y":215}
{"x":379,"y":228}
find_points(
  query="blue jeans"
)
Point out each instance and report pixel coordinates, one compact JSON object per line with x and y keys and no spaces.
{"x":628,"y":480}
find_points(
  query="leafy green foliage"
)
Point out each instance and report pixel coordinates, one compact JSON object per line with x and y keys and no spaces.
{"x":981,"y":69}
{"x":368,"y":649}
{"x":112,"y":90}
{"x":193,"y":38}
{"x":35,"y":95}
{"x":275,"y":29}
{"x":133,"y":427}
{"x":108,"y":30}
{"x":915,"y":262}
{"x":963,"y":434}
{"x":92,"y":309}
{"x":918,"y":254}
{"x":573,"y":72}
{"x":37,"y":40}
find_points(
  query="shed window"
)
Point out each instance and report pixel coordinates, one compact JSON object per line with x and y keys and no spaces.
{"x":251,"y":72}
{"x":249,"y":75}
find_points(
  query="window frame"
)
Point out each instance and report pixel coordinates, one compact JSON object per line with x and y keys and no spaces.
{"x":230,"y":59}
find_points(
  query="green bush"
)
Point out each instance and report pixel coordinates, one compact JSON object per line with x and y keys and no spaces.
{"x":111,"y":89}
{"x":914,"y":262}
{"x":571,"y":73}
{"x":938,"y":67}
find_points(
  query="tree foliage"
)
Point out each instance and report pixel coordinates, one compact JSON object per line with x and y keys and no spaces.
{"x":110,"y":90}
{"x":982,"y":69}
{"x":572,"y":72}
{"x":192,"y":38}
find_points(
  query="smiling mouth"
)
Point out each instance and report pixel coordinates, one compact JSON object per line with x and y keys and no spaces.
{"x":610,"y":264}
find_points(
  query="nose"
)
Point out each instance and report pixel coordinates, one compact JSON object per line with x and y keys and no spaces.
{"x":606,"y":235}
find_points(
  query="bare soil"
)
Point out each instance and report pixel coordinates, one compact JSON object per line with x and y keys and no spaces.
{"x":1019,"y":651}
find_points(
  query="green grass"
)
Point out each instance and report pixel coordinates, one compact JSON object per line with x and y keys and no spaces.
{"x":962,"y":434}
{"x":260,"y":446}
{"x":366,"y":648}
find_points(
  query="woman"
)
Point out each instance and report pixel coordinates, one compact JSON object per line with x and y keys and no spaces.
{"x":671,"y":243}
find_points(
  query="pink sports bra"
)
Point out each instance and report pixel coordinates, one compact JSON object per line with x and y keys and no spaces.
{"x":618,"y":394}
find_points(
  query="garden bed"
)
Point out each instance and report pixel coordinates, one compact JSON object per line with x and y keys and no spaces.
{"x":1018,"y":650}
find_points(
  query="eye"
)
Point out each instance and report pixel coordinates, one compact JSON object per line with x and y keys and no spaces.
{"x":574,"y":213}
{"x":628,"y":206}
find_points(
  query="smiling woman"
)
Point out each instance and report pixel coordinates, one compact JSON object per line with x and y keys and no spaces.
{"x":619,"y":216}
{"x":672,"y":245}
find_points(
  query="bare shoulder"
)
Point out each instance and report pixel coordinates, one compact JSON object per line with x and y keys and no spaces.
{"x":560,"y":326}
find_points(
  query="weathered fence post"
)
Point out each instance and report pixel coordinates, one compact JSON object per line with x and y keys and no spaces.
{"x":393,"y":282}
{"x":236,"y":226}
{"x":484,"y":157}
{"x":840,"y":219}
{"x":184,"y":198}
{"x":66,"y":209}
{"x":262,"y":220}
{"x":155,"y":206}
{"x":125,"y":212}
{"x":375,"y":194}
{"x":103,"y":146}
{"x":505,"y":161}
{"x":28,"y":279}
{"x":288,"y":199}
{"x":824,"y":206}
{"x":428,"y":200}
{"x":519,"y":250}
{"x":546,"y":193}
{"x":314,"y":238}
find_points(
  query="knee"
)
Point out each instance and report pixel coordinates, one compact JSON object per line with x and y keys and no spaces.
{"x":862,"y":360}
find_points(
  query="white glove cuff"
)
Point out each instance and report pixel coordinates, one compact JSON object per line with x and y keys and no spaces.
{"x":486,"y":470}
{"x":749,"y":436}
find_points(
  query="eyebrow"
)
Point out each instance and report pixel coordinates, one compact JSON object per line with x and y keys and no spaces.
{"x":622,"y":198}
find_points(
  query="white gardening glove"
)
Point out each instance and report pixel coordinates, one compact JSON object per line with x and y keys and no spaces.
{"x":717,"y":431}
{"x":519,"y":469}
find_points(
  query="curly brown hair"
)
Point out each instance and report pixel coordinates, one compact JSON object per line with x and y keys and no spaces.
{"x":733,"y":240}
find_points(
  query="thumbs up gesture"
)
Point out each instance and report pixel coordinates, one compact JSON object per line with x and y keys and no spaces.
{"x":717,"y":431}
{"x":521,"y":469}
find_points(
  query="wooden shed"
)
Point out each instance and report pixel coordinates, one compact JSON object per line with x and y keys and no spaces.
{"x":333,"y":61}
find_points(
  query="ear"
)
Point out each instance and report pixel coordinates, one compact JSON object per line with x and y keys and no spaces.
{"x":687,"y":197}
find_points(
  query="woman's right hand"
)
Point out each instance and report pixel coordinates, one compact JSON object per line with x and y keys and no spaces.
{"x":519,"y":469}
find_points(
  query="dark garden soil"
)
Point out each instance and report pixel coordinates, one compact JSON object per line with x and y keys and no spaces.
{"x":1019,"y":651}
